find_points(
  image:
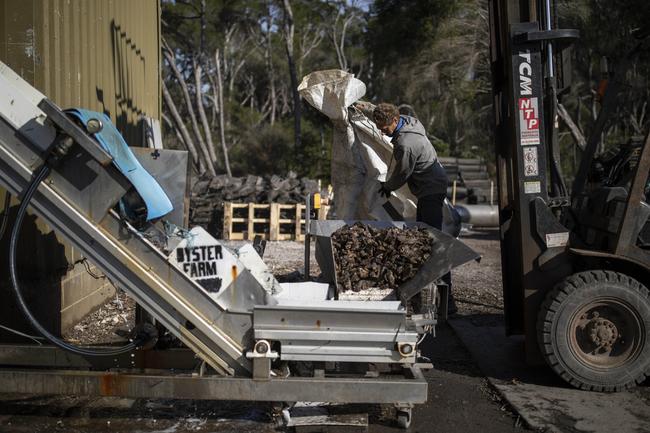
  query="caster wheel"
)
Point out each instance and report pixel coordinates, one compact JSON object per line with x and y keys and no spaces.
{"x":404,"y":418}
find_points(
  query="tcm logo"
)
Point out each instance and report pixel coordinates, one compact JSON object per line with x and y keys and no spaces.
{"x":528,"y":111}
{"x":525,"y":75}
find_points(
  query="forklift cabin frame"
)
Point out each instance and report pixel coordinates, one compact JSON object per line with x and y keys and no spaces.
{"x":536,"y":248}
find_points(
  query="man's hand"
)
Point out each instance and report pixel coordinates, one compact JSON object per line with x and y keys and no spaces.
{"x":383,"y":190}
{"x":364,"y":107}
{"x":361,"y":105}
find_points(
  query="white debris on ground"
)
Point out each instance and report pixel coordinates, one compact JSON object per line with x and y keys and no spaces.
{"x":100,"y":326}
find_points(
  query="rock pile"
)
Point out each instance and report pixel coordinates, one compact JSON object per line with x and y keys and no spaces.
{"x":368,"y":257}
{"x":209,"y":193}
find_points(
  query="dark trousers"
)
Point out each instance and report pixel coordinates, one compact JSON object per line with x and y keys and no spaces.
{"x":430,"y":212}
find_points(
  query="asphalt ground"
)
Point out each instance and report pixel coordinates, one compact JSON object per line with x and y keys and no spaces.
{"x":540,"y":397}
{"x":460,"y":400}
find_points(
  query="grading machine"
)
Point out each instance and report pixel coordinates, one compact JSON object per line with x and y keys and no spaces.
{"x":244,"y":335}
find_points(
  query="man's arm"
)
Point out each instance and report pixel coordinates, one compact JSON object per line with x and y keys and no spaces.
{"x":404,"y":166}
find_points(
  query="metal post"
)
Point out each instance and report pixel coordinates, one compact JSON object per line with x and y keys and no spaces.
{"x":491,"y":192}
{"x":307,"y":236}
{"x":549,"y":45}
{"x":521,"y":162}
{"x":453,"y":194}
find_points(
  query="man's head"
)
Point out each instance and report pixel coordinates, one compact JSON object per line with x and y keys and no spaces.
{"x":386,"y":117}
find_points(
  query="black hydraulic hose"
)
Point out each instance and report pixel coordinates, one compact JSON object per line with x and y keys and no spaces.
{"x":15,"y":233}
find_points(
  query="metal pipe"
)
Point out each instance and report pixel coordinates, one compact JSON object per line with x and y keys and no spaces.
{"x":549,"y":45}
{"x":479,"y":215}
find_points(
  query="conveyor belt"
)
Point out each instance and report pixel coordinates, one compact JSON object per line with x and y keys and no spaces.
{"x":76,"y":200}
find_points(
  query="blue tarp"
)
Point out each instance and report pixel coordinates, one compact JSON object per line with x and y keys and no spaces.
{"x":110,"y":139}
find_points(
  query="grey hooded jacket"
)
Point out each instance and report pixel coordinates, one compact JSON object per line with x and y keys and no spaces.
{"x":416,"y":161}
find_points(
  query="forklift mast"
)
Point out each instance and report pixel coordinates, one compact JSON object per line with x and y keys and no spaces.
{"x":530,"y":187}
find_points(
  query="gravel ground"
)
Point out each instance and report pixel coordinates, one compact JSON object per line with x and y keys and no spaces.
{"x":100,"y":326}
{"x":477,"y":286}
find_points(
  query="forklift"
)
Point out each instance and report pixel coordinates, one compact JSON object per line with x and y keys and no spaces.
{"x":575,"y":260}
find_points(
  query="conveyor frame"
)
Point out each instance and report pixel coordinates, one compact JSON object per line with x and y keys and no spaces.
{"x":76,"y":200}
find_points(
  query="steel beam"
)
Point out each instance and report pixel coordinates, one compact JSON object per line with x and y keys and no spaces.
{"x":628,"y":230}
{"x":52,"y":357}
{"x":389,"y":389}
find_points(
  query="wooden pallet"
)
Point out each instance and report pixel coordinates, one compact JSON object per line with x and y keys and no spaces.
{"x":274,"y":221}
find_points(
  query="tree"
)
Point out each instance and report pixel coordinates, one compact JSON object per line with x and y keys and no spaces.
{"x":205,"y":73}
{"x":289,"y":30}
{"x":609,"y":32}
{"x":433,"y":56}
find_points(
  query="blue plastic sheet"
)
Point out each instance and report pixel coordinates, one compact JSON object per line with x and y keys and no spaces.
{"x":110,"y":139}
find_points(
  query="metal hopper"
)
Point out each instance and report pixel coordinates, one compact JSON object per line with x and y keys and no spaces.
{"x":448,"y":253}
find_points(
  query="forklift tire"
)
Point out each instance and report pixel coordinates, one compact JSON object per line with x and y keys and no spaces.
{"x":593,"y":331}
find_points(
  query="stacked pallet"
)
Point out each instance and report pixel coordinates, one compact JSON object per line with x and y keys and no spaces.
{"x":473,"y":183}
{"x":273,"y":221}
{"x":209,"y":194}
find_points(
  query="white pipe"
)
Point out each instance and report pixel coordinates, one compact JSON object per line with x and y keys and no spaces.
{"x":479,"y":215}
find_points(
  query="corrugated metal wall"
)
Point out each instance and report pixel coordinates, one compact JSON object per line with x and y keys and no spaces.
{"x":98,"y":54}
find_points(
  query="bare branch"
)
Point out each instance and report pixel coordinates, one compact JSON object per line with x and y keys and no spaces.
{"x":182,"y":130}
{"x":169,"y":56}
{"x":576,"y":133}
{"x":198,"y":71}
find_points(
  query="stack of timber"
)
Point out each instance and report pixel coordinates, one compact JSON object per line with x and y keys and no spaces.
{"x":209,"y":195}
{"x":473,"y":182}
{"x":378,"y":259}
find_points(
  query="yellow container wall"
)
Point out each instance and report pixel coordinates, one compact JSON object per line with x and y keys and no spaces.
{"x":103,"y":55}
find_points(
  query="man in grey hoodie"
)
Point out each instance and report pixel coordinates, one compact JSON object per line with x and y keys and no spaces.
{"x":415,"y":163}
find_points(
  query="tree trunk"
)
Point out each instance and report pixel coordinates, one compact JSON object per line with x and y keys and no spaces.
{"x":188,"y":102}
{"x":194,"y":161}
{"x":339,"y":41}
{"x":198,"y":70}
{"x":268,"y":51}
{"x":181,"y":129}
{"x":297,"y":108}
{"x":222,"y":122}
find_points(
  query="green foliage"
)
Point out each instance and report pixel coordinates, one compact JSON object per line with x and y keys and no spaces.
{"x":317,"y":132}
{"x":433,"y":56}
{"x":609,"y":32}
{"x":400,"y":29}
{"x":266,"y":150}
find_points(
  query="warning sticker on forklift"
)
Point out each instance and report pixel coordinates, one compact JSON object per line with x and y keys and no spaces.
{"x":557,"y":239}
{"x":533,"y":187}
{"x":529,"y":121}
{"x":531,"y":165}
